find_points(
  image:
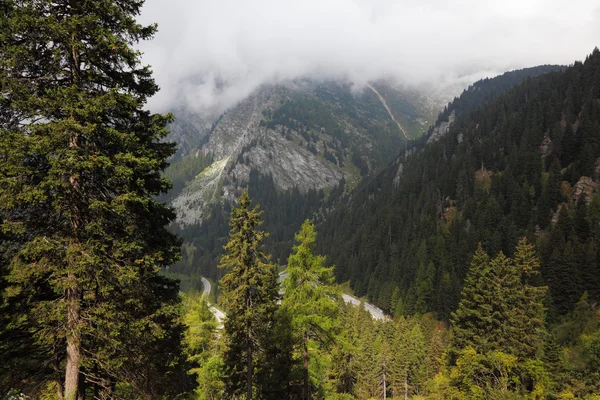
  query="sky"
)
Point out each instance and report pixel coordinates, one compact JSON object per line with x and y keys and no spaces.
{"x":210,"y":54}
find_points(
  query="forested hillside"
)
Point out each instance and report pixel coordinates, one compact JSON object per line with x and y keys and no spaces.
{"x":480,"y":241}
{"x":285,"y":210}
{"x":437,"y":240}
{"x":523,"y":164}
{"x":486,"y":90}
{"x":312,"y":346}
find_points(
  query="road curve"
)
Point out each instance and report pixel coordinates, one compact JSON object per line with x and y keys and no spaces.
{"x":376,"y":312}
{"x":219,"y":315}
{"x":206,"y":286}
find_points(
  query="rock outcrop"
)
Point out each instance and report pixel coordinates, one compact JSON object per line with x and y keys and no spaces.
{"x":442,"y":128}
{"x":245,"y":138}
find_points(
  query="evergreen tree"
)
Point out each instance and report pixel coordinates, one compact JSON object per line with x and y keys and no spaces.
{"x":202,"y":347}
{"x":500,"y":309}
{"x":249,"y":293}
{"x":310,"y":298}
{"x":384,"y":364}
{"x":527,"y":313}
{"x":473,"y":318}
{"x":368,"y":382}
{"x":80,"y":164}
{"x":408,"y":360}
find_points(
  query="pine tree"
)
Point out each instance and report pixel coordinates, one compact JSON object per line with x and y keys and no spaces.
{"x":368,"y":382}
{"x":310,"y":298}
{"x":80,"y":164}
{"x":249,"y":292}
{"x":384,"y":363}
{"x":434,"y":361}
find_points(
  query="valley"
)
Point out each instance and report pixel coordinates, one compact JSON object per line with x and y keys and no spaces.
{"x":299,"y":200}
{"x":308,"y":141}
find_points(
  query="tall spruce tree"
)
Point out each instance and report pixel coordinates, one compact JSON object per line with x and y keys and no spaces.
{"x":500,"y":308}
{"x":250,"y":291}
{"x":80,"y":163}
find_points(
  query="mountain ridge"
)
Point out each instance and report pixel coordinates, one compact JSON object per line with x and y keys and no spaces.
{"x":304,"y":134}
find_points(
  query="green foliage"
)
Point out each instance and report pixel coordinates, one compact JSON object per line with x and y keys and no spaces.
{"x":201,"y":343}
{"x":80,"y":166}
{"x":310,"y":300}
{"x":482,"y":376}
{"x":499,"y":310}
{"x":249,"y":293}
{"x":201,"y":326}
{"x":497,"y":175}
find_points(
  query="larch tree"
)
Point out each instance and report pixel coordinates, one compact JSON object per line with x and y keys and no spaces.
{"x":80,"y":166}
{"x":249,"y":294}
{"x":310,"y":298}
{"x":408,"y":360}
{"x":384,"y":362}
{"x":201,"y":342}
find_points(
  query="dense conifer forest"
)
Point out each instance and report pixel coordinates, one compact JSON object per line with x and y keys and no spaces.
{"x":481,"y":246}
{"x":523,"y":164}
{"x":285,"y":210}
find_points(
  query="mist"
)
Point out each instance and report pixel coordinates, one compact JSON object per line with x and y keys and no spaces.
{"x":210,"y":54}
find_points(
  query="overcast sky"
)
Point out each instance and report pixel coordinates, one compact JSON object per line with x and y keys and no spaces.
{"x":248,"y":42}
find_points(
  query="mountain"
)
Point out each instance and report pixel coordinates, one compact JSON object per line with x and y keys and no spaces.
{"x":515,"y":161}
{"x":292,"y":145}
{"x":304,"y":134}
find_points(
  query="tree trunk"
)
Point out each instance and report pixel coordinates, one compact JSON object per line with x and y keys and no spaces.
{"x":73,"y":342}
{"x":306,"y":376}
{"x":72,"y":298}
{"x":405,"y":387}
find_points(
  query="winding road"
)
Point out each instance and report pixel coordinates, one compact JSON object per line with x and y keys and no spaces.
{"x":219,"y":315}
{"x":376,"y":312}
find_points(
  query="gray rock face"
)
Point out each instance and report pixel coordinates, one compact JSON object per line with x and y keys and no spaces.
{"x":442,"y":129}
{"x":240,"y":140}
{"x":290,"y":165}
{"x":238,"y":126}
{"x":238,"y":143}
{"x":398,"y":175}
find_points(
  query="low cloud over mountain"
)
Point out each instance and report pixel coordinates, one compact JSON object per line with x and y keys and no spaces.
{"x":210,"y":54}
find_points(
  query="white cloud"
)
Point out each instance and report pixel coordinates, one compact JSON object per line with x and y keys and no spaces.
{"x":248,"y":42}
